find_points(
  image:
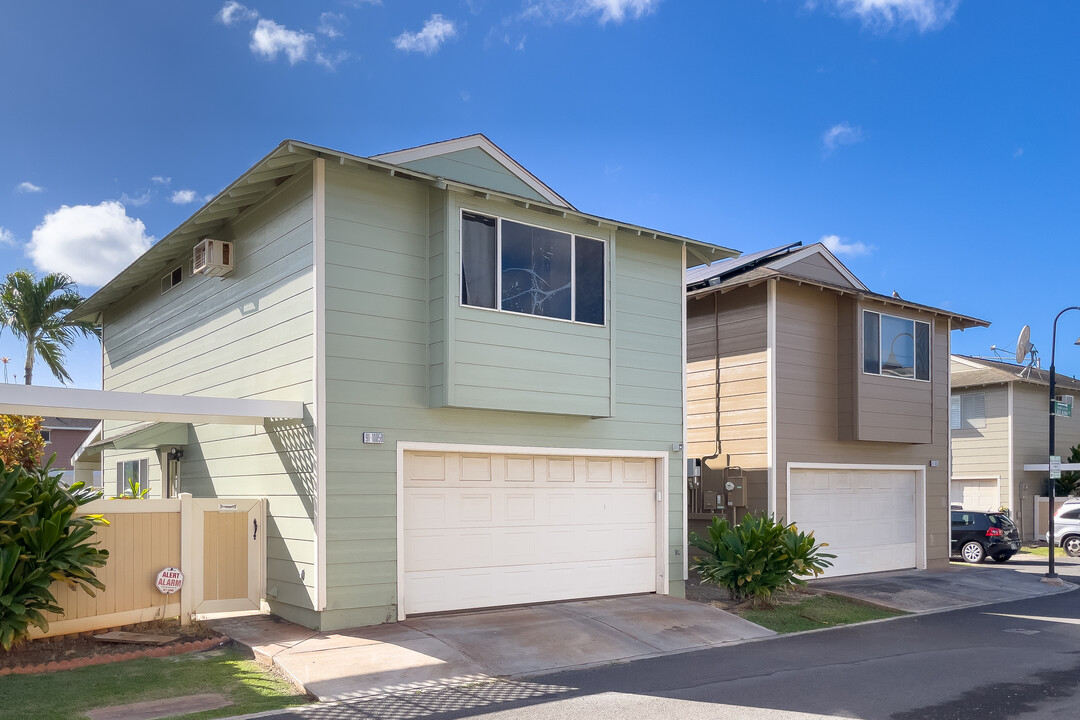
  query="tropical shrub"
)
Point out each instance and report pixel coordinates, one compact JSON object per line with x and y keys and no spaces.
{"x":42,"y":541}
{"x":20,"y":440}
{"x":758,"y":557}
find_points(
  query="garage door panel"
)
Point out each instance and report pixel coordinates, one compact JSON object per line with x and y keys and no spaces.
{"x":486,"y":530}
{"x":976,"y":494}
{"x":867,"y":517}
{"x":443,"y":590}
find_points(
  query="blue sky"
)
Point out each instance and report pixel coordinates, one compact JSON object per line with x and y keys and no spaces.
{"x":934,"y":141}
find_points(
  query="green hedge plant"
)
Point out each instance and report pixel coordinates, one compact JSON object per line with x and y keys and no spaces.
{"x":758,"y":557}
{"x":42,"y":541}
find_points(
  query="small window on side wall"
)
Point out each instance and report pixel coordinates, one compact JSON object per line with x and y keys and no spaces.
{"x":171,"y":280}
{"x":967,"y":411}
{"x":895,"y":346}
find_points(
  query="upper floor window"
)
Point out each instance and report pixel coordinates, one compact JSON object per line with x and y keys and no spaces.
{"x":511,"y":266}
{"x":46,"y":435}
{"x":967,"y":411}
{"x":895,"y":346}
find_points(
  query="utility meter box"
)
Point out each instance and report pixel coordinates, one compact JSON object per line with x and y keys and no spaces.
{"x":735,"y":487}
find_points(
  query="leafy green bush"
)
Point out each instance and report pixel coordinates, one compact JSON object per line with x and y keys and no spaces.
{"x":42,"y":541}
{"x":757,"y":557}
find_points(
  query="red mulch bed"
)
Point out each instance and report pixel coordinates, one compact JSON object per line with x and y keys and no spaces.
{"x":70,"y":651}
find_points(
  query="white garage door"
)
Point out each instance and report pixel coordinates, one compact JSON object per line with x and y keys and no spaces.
{"x":867,"y":516}
{"x":979,"y":495}
{"x":488,"y":530}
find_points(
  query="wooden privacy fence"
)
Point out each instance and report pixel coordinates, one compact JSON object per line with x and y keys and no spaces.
{"x":218,"y":544}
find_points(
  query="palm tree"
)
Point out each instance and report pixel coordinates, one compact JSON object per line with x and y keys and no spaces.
{"x":37,"y":311}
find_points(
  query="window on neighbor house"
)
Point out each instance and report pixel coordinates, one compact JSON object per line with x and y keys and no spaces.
{"x":46,"y":435}
{"x":895,"y":346}
{"x":514,"y":267}
{"x":132,"y":471}
{"x":967,"y":411}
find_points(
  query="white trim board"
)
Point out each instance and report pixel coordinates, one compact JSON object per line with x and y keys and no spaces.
{"x":318,"y":229}
{"x":148,"y":407}
{"x":662,"y":480}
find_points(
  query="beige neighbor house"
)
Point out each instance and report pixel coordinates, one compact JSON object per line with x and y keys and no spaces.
{"x":823,"y":402}
{"x":493,"y":381}
{"x":1000,"y":422}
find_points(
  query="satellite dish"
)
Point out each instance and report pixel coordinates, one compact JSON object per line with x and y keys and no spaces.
{"x":1023,"y":344}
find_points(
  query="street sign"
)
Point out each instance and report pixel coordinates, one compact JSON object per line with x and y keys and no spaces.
{"x":1062,"y":409}
{"x":1055,"y":467}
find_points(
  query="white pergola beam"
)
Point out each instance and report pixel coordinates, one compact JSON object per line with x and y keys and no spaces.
{"x":1045,"y":467}
{"x":143,"y":407}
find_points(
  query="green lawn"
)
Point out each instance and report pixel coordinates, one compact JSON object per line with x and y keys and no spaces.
{"x":813,"y":612}
{"x":1043,"y":551}
{"x":69,"y":694}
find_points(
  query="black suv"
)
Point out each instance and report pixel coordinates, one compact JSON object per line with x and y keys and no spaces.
{"x":976,"y":535}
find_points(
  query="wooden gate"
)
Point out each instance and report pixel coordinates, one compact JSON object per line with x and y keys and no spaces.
{"x":228,"y":553}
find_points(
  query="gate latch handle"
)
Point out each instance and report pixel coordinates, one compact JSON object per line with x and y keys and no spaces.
{"x":256,"y":533}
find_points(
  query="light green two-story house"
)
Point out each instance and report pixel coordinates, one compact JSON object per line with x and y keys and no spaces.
{"x":493,"y":380}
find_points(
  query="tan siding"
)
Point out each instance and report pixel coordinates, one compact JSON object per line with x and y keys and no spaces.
{"x":984,"y":452}
{"x":808,"y":409}
{"x":817,"y":267}
{"x":742,"y":370}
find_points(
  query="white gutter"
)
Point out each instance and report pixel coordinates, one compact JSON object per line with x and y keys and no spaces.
{"x":145,"y":407}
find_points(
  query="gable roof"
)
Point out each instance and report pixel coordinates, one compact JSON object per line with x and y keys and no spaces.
{"x":981,"y":371}
{"x":470,"y":159}
{"x":784,"y":257}
{"x":781,"y":263}
{"x":292,"y":157}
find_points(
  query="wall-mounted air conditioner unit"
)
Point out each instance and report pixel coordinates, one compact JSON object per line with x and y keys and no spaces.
{"x":212,"y":258}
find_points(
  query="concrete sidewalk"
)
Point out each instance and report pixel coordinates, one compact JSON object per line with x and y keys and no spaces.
{"x":958,"y":586}
{"x":462,"y":648}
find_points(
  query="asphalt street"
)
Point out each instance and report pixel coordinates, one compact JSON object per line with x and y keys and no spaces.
{"x":1012,"y":660}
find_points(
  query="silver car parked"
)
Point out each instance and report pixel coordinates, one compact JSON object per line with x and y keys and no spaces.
{"x":1067,"y":527}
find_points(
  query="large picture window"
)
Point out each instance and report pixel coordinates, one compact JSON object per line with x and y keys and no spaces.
{"x":895,"y":346}
{"x":511,"y":266}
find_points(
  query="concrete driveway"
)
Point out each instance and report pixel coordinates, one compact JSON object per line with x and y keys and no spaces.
{"x":958,"y":586}
{"x":463,"y":648}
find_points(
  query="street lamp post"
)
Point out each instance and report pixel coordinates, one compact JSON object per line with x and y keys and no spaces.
{"x":1053,"y":415}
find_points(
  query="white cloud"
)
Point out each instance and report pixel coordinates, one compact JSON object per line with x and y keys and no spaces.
{"x":90,"y":243}
{"x":330,"y":24}
{"x":841,"y":134}
{"x":564,"y":10}
{"x":1019,"y":152}
{"x":28,"y":187}
{"x":618,"y":10}
{"x":7,"y":237}
{"x":184,"y":197}
{"x":161,"y":179}
{"x":839,"y":246}
{"x":268,"y":39}
{"x":884,"y":14}
{"x":138,"y":200}
{"x":435,"y":32}
{"x":233,"y":12}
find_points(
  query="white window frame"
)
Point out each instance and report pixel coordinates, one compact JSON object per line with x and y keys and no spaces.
{"x":929,"y":353}
{"x":965,"y":422}
{"x":168,"y":277}
{"x":498,"y":268}
{"x":46,"y":435}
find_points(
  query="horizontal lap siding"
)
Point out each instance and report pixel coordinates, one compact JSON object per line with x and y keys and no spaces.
{"x":542,"y":365}
{"x":366,"y":393}
{"x":743,"y":371}
{"x":809,"y":393}
{"x":984,"y":452}
{"x":248,"y":335}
